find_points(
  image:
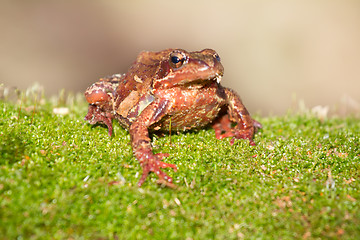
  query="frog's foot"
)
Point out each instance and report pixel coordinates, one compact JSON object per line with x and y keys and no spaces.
{"x":95,"y":115}
{"x":152,"y":163}
{"x":243,"y":134}
{"x":224,"y":129}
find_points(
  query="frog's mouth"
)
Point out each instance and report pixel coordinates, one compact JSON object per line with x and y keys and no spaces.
{"x":191,"y":80}
{"x":200,"y":83}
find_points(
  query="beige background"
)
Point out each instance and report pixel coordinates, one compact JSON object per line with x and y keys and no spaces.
{"x":271,"y":50}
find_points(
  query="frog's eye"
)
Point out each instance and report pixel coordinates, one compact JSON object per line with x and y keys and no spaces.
{"x":177,"y":59}
{"x":217,"y":57}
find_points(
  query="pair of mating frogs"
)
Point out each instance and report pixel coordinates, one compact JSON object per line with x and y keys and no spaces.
{"x":171,"y":89}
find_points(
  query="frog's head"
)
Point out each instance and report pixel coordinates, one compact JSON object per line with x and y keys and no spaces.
{"x":179,"y":68}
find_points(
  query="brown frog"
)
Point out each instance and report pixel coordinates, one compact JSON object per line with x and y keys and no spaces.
{"x":171,"y":89}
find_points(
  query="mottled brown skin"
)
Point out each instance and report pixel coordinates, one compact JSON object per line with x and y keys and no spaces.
{"x":169,"y":87}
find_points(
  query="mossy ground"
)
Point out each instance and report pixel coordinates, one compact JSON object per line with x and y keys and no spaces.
{"x":61,"y":178}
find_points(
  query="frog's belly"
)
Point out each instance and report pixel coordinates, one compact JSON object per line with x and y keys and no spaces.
{"x":191,"y":109}
{"x":194,"y":117}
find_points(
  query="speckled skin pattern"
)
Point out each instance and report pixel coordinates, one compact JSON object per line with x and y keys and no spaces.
{"x":174,"y":87}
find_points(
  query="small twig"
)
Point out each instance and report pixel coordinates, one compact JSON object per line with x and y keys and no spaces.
{"x":20,"y":107}
{"x":33,"y":113}
{"x":170,"y":131}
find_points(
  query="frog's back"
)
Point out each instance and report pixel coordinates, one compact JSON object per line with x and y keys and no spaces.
{"x":140,"y":75}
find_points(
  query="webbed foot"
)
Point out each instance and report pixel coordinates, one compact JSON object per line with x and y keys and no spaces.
{"x":224,"y":129}
{"x":152,"y":163}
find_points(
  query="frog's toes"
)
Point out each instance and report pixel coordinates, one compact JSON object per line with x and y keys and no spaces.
{"x":152,"y":163}
{"x":155,"y":167}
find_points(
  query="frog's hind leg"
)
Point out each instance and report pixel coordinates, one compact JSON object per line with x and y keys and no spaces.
{"x":222,"y":127}
{"x":237,"y":114}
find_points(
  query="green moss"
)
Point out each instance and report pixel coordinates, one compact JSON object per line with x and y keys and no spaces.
{"x":62,"y":178}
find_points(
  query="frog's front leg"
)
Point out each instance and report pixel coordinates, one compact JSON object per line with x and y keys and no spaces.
{"x":237,"y":113}
{"x":96,"y":114}
{"x":141,"y":143}
{"x":100,"y":97}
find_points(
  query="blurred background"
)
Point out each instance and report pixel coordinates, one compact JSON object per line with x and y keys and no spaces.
{"x":275,"y":53}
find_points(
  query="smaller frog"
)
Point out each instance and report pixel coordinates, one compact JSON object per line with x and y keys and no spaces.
{"x":171,"y":89}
